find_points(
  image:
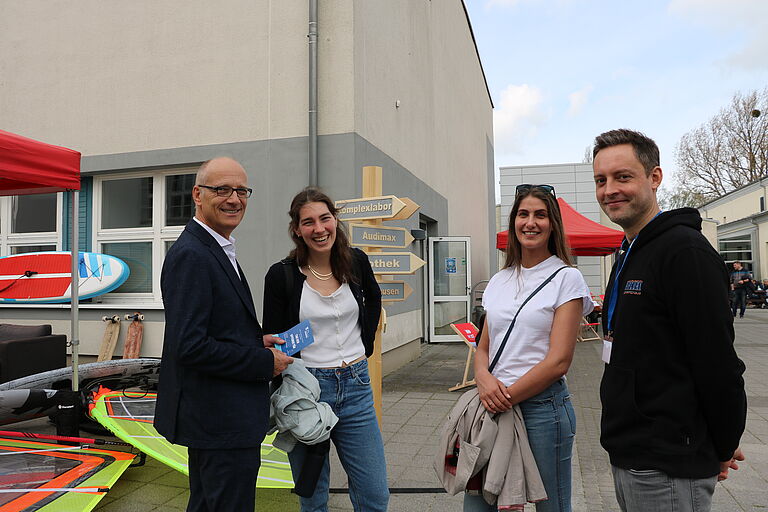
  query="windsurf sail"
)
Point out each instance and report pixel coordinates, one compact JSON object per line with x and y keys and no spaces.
{"x":129,"y":416}
{"x":45,"y":477}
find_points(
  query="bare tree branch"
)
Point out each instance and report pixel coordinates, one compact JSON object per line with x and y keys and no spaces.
{"x":727,"y":152}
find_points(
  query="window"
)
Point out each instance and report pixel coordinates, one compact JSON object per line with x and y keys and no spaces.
{"x":30,"y":223}
{"x":137,"y":218}
{"x":762,"y":204}
{"x":737,"y":248}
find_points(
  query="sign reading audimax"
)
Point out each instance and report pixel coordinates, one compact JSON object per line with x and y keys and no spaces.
{"x":364,"y":235}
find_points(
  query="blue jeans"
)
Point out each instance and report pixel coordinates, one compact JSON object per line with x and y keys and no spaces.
{"x":650,"y":490}
{"x":357,"y":439}
{"x":551,"y":425}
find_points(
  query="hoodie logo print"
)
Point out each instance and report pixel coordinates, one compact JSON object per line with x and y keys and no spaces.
{"x":634,"y":287}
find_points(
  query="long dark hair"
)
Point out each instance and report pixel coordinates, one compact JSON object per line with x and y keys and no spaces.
{"x":556,"y":243}
{"x":341,"y":255}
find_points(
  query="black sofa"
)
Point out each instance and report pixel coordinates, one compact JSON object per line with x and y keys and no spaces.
{"x":30,"y":349}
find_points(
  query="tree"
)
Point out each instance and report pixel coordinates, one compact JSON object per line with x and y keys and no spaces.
{"x":728,"y":151}
{"x":680,"y":197}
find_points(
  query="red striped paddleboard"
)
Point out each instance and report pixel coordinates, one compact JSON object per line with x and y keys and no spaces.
{"x":44,"y":277}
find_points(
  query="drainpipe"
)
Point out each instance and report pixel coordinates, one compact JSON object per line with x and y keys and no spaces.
{"x":312,"y":92}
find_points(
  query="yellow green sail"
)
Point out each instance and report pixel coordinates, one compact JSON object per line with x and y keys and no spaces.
{"x":129,"y":416}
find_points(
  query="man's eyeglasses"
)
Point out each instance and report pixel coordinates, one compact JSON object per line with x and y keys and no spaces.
{"x":521,"y":189}
{"x":226,"y":191}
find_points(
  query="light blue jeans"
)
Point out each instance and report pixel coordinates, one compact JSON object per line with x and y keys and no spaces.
{"x":551,"y":425}
{"x":357,"y":439}
{"x":650,"y":490}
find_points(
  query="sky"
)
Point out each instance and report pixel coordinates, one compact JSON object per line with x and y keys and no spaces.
{"x":561,"y":72}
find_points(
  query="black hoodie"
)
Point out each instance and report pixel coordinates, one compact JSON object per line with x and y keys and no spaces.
{"x":673,"y":394}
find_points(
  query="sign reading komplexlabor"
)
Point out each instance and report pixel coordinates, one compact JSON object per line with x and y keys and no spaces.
{"x":384,"y":207}
{"x":394,"y":262}
{"x":394,"y":290}
{"x":364,"y":235}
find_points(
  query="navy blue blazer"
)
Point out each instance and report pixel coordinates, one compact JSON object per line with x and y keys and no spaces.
{"x":215,"y":372}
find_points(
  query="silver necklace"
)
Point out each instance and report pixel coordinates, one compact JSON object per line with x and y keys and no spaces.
{"x":318,"y":275}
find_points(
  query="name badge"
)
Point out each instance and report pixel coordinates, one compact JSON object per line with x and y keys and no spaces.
{"x":607,"y":347}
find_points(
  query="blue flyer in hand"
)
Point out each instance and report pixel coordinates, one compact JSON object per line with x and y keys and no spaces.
{"x":296,"y":338}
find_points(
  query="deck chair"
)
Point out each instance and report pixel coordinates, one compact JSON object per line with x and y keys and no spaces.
{"x":587,"y":331}
{"x":467,"y":332}
{"x":589,"y":324}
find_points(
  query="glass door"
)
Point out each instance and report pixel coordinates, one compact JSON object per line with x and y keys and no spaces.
{"x":449,"y":286}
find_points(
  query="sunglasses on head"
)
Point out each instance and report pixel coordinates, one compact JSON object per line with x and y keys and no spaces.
{"x":549,"y":189}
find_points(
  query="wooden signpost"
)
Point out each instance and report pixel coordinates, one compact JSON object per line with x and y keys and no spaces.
{"x":365,"y":215}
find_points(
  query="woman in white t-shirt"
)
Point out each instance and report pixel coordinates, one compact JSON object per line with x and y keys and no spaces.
{"x":531,"y":367}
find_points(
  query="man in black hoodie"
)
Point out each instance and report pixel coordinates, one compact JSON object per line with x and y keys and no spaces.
{"x":673,"y":399}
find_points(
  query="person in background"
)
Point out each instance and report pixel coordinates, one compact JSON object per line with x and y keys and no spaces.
{"x":739,"y":284}
{"x":332,"y":285}
{"x":672,"y":393}
{"x":532,"y":366}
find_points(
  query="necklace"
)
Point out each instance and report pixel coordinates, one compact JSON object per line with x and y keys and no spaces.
{"x":318,"y":275}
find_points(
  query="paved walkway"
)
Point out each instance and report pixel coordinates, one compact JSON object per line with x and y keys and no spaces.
{"x":415,"y":402}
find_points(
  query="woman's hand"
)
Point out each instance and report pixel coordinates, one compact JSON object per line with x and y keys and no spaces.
{"x":493,"y":393}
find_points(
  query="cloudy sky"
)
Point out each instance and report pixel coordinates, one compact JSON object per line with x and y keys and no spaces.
{"x":562,"y":71}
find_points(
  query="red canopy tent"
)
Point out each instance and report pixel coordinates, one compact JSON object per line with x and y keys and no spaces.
{"x":585,"y":237}
{"x":28,"y":166}
{"x":31,"y":167}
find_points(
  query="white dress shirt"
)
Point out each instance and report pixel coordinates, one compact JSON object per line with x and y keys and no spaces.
{"x":228,"y":244}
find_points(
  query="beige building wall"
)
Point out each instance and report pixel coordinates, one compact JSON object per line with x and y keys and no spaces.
{"x":113,"y":78}
{"x":147,"y":74}
{"x":412,"y":60}
{"x":737,"y":205}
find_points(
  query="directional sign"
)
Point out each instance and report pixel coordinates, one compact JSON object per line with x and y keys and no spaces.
{"x":410,"y":209}
{"x":384,"y":207}
{"x":364,"y":235}
{"x":395,"y":262}
{"x":394,"y":290}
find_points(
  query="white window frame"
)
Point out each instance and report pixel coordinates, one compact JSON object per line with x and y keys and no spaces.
{"x":9,"y":240}
{"x":157,"y":234}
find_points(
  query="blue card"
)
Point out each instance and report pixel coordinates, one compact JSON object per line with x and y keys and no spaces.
{"x":296,"y":338}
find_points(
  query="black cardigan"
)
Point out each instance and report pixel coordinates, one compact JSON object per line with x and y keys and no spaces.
{"x":281,"y":306}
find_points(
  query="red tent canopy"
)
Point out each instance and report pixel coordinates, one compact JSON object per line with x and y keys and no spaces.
{"x":31,"y":167}
{"x":585,"y":237}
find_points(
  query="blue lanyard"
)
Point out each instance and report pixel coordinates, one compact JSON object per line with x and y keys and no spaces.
{"x":615,"y":290}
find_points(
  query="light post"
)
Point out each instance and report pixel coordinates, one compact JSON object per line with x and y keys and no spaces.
{"x":755,"y":114}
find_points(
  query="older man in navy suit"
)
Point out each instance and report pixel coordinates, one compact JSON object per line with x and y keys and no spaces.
{"x":213,"y":394}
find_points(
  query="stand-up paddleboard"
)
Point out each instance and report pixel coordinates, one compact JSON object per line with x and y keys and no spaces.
{"x":46,"y":277}
{"x":117,"y":374}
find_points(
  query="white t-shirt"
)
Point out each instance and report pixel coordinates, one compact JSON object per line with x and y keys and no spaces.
{"x":528,"y":342}
{"x":335,"y":327}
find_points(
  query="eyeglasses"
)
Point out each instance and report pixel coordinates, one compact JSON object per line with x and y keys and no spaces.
{"x":520,"y":189}
{"x":226,"y":191}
